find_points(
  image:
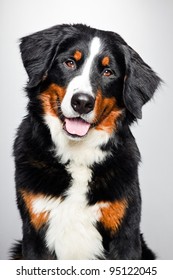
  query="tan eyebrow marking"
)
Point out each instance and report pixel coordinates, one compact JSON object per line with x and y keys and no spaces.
{"x":77,"y":55}
{"x":105,"y":61}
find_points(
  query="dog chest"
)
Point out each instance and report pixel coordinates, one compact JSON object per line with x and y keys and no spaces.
{"x":72,"y":231}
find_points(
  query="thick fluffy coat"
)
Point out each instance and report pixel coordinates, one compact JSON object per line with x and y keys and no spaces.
{"x":76,"y":159}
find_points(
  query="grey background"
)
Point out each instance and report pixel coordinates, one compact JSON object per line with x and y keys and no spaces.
{"x":148,"y":27}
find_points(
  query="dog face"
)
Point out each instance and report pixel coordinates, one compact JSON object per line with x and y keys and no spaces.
{"x":88,"y":79}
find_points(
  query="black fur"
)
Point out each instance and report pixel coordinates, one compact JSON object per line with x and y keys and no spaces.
{"x":37,"y":168}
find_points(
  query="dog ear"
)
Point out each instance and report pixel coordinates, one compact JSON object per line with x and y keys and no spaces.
{"x":38,"y":52}
{"x":140,"y":82}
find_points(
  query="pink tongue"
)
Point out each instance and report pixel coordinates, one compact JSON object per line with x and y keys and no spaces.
{"x":76,"y":126}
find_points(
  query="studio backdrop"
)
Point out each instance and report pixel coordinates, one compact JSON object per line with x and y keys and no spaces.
{"x":147,"y":26}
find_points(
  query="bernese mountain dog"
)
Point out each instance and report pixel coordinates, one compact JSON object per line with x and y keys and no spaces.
{"x":76,"y":159}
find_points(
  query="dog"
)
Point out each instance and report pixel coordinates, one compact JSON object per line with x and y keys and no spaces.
{"x":76,"y":159}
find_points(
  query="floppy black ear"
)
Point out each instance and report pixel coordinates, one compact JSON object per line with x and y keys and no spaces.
{"x":38,"y":51}
{"x":140,"y":82}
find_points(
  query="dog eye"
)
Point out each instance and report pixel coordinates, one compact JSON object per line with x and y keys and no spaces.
{"x":70,"y":63}
{"x":107,"y":72}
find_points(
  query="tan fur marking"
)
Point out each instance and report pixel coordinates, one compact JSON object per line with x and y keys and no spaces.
{"x":105,"y":61}
{"x":77,"y":55}
{"x":37,"y":219}
{"x":106,"y":112}
{"x":112,"y":215}
{"x":50,"y":99}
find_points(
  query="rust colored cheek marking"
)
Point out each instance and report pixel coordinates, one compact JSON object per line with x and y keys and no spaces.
{"x":77,"y":55}
{"x":106,"y":61}
{"x":106,"y":113}
{"x":37,"y":219}
{"x":51,"y":99}
{"x":113,"y":214}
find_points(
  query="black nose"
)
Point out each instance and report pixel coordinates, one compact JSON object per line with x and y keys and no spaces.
{"x":82,"y":103}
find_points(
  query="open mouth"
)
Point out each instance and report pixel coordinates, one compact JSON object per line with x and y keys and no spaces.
{"x":76,"y":127}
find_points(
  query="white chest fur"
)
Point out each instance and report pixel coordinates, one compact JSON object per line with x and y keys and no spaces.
{"x":72,"y":232}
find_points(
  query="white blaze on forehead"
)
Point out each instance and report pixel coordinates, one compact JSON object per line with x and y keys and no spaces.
{"x":81,"y":83}
{"x":94,"y":50}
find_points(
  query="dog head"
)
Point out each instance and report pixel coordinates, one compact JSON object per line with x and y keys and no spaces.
{"x":87,"y":78}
